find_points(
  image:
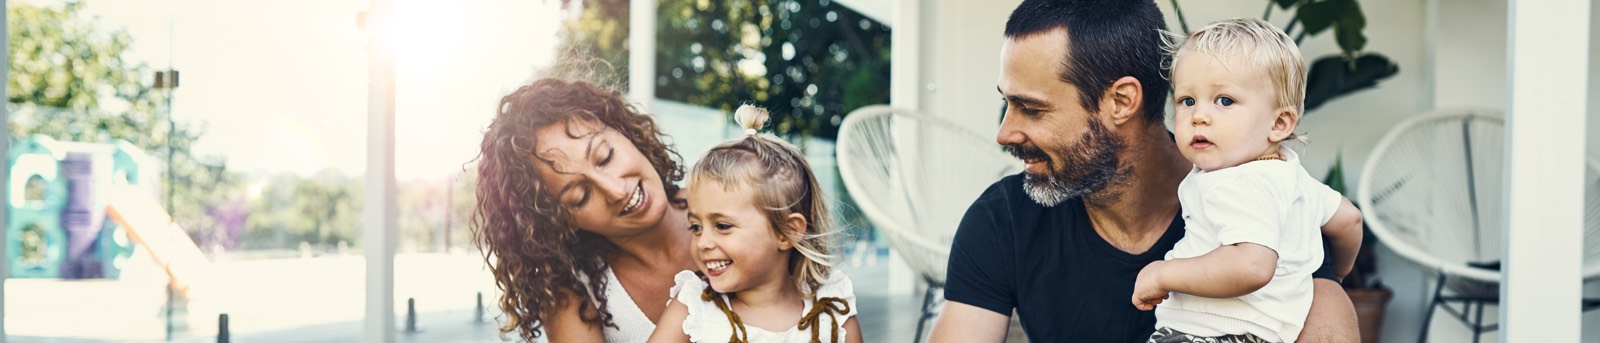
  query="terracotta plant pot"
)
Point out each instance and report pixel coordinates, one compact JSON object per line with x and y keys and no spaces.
{"x":1370,"y":304}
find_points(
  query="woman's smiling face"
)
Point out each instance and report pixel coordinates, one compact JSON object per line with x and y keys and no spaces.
{"x":607,"y":185}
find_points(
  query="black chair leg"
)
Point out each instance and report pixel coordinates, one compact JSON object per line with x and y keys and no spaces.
{"x":1433,"y":303}
{"x":927,"y":313}
{"x":1477,"y":324}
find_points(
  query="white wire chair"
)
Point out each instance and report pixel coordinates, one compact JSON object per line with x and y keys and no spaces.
{"x":913,"y":176}
{"x":1433,"y":192}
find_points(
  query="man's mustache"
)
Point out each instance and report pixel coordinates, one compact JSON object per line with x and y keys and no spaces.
{"x":1026,"y":152}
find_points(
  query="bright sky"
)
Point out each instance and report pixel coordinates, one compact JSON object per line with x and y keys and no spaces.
{"x":282,"y":85}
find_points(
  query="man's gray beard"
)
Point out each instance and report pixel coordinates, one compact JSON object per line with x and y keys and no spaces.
{"x":1047,"y":190}
{"x":1090,"y":166}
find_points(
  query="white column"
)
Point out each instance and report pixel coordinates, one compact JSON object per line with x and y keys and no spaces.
{"x":905,"y":55}
{"x":1548,"y":64}
{"x":642,"y":53}
{"x":5,"y":173}
{"x":905,"y":92}
{"x":378,"y":228}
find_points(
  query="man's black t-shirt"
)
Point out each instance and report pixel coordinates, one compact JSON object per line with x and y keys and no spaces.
{"x":1066,"y":283}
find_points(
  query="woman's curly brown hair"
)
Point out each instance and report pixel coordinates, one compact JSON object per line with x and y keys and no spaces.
{"x":539,"y":257}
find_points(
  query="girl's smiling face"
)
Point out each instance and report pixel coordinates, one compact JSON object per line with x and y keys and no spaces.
{"x":735,"y":244}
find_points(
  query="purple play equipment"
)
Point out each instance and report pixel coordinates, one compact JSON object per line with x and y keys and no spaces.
{"x":82,"y":219}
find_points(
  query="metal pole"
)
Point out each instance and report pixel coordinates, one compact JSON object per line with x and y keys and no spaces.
{"x":222,"y":328}
{"x":411,"y":315}
{"x":378,"y":229}
{"x":478,"y":315}
{"x":171,"y":294}
{"x":449,"y":210}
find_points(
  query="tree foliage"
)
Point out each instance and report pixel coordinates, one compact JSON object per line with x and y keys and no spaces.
{"x":808,"y":61}
{"x":72,"y":81}
{"x":323,"y":210}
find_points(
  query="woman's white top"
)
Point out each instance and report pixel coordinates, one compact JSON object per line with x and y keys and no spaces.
{"x":632,"y":324}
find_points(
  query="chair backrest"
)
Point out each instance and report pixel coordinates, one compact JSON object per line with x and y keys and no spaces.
{"x":1433,"y":191}
{"x":913,"y":176}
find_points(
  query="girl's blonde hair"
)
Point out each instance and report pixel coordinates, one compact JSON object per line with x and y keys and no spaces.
{"x":1258,"y":43}
{"x":783,"y":183}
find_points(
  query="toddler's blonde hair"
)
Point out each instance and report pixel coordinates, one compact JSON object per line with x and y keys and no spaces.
{"x":1259,"y":44}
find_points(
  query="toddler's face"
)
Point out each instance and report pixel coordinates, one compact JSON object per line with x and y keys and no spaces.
{"x":734,"y":243}
{"x":1225,"y":110}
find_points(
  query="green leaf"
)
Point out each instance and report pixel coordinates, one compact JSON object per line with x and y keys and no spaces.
{"x":1334,"y":76}
{"x":1335,"y":177}
{"x":1317,"y":16}
{"x":1286,"y":4}
{"x":1349,"y":27}
{"x":1351,"y":41}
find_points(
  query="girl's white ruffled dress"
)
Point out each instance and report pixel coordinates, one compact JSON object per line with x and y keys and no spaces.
{"x":707,"y":323}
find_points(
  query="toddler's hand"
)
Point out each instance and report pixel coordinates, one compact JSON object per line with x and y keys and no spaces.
{"x":1147,"y":291}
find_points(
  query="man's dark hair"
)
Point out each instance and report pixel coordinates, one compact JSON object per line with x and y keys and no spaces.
{"x":1108,"y":39}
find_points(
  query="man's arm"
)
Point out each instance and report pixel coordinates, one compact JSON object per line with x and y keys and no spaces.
{"x":1332,"y":318}
{"x":1229,"y":271}
{"x":960,"y":322}
{"x":1343,"y":233}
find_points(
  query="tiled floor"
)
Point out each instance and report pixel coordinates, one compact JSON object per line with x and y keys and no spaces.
{"x":883,"y":317}
{"x":281,"y":303}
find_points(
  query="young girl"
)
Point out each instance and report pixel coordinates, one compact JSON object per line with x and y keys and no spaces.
{"x":1242,"y":272}
{"x":760,"y":228}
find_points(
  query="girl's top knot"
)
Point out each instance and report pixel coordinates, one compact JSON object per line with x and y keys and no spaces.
{"x":751,"y":118}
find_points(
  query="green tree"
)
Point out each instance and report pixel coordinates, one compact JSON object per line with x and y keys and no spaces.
{"x":808,"y":62}
{"x":71,"y":81}
{"x":322,"y":210}
{"x":599,"y":31}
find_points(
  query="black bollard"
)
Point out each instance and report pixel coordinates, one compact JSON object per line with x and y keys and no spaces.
{"x":478,"y":316}
{"x":222,"y":328}
{"x":411,"y":315}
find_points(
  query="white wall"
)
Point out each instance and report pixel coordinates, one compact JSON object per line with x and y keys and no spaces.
{"x":961,"y":61}
{"x":960,"y":64}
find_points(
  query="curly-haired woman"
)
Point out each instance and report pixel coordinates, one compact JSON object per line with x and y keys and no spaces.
{"x":579,"y":215}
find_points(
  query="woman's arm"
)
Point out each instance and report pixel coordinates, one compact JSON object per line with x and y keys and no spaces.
{"x":567,"y":325}
{"x":670,"y":327}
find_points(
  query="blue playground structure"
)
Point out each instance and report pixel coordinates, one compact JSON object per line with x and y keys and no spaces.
{"x":56,"y":224}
